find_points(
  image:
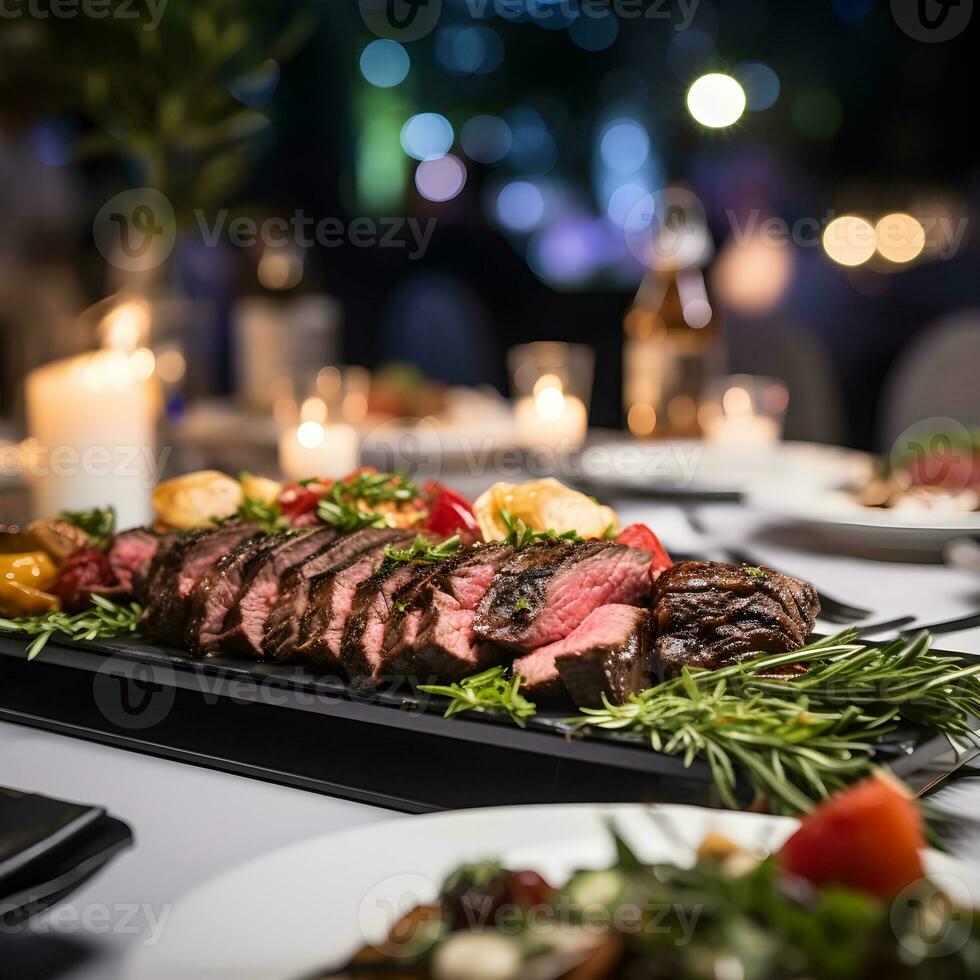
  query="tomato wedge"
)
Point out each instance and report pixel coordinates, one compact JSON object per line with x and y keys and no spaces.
{"x":640,"y":536}
{"x":869,"y":837}
{"x":450,"y":513}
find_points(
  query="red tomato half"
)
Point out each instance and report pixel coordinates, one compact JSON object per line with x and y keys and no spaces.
{"x":869,"y":837}
{"x":450,"y":513}
{"x":640,"y":536}
{"x":297,"y":500}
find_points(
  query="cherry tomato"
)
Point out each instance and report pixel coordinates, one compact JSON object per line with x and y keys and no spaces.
{"x":640,"y":536}
{"x":527,"y":888}
{"x":450,"y":513}
{"x":297,"y":500}
{"x":868,"y":837}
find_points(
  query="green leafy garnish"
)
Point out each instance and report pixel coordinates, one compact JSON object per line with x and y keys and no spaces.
{"x":102,"y":621}
{"x":522,"y":604}
{"x":379,"y":488}
{"x":347,"y":516}
{"x":489,"y":691}
{"x":520,"y":535}
{"x":753,"y":571}
{"x":422,"y":549}
{"x":98,"y":523}
{"x":268,"y":516}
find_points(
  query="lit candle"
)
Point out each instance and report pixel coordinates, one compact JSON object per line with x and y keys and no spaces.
{"x":551,"y":418}
{"x":92,"y":425}
{"x":736,"y":420}
{"x":315,"y":449}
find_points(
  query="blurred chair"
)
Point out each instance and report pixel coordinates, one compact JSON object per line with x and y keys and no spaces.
{"x":935,"y":376}
{"x":783,"y":349}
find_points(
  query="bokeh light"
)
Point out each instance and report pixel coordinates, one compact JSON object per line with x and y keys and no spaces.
{"x":427,"y":136}
{"x":520,"y":206}
{"x":752,"y":277}
{"x":624,"y":146}
{"x":256,"y":87}
{"x":849,"y":240}
{"x":761,"y":85}
{"x":716,"y":100}
{"x":469,"y":50}
{"x":385,"y":63}
{"x":533,"y":148}
{"x":900,"y":237}
{"x":595,"y":30}
{"x":440,"y":179}
{"x":486,"y":139}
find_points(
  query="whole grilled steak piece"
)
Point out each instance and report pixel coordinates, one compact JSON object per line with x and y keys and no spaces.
{"x":608,"y":653}
{"x":244,"y":628}
{"x":176,"y":570}
{"x":547,"y":589}
{"x":709,"y":613}
{"x":131,"y":554}
{"x":282,"y":632}
{"x":216,"y":593}
{"x":332,"y":598}
{"x":438,"y":624}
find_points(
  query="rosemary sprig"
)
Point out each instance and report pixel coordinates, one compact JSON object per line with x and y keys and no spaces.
{"x":423,"y":549}
{"x":98,"y":523}
{"x":489,"y":691}
{"x":102,"y":621}
{"x":520,"y":535}
{"x":798,"y":739}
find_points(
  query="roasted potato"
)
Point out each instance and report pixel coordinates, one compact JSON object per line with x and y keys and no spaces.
{"x":196,"y":499}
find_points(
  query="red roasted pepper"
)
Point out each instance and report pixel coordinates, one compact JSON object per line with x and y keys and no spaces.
{"x":450,"y":513}
{"x":640,"y":536}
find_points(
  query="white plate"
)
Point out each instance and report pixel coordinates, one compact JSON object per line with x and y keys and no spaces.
{"x":836,"y":515}
{"x":690,"y":466}
{"x":311,"y":905}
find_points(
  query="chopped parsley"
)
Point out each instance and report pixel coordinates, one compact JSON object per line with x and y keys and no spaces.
{"x":98,"y":523}
{"x":520,"y":535}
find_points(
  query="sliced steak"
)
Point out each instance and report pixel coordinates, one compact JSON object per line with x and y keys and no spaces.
{"x":709,"y":613}
{"x":282,"y":633}
{"x":438,"y":623}
{"x":131,"y":554}
{"x":609,"y":654}
{"x":332,"y":598}
{"x":176,"y":570}
{"x":362,"y":647}
{"x":548,"y":589}
{"x":244,"y":628}
{"x":216,"y":593}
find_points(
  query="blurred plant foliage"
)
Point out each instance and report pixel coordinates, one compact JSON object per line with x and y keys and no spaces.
{"x":155,"y":83}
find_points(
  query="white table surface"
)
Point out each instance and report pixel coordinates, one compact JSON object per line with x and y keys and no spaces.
{"x":192,"y":823}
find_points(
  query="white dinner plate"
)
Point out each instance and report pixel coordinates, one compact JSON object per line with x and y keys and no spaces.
{"x":836,"y":515}
{"x":691,"y":466}
{"x":312,"y":905}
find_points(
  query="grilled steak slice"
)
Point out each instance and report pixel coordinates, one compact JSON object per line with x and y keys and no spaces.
{"x":282,"y":632}
{"x":362,"y":647}
{"x":548,"y":589}
{"x":708,"y":613}
{"x":332,"y":598}
{"x":131,"y":555}
{"x":244,"y":628}
{"x":216,"y":593}
{"x":609,"y":654}
{"x":177,"y":569}
{"x":437,"y":626}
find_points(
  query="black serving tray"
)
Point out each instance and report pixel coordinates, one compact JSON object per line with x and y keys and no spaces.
{"x":390,"y":747}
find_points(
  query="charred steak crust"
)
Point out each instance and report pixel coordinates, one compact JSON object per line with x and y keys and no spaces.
{"x":131,"y":555}
{"x":175,"y":573}
{"x":283,"y":630}
{"x":708,"y":613}
{"x":332,"y":596}
{"x":548,"y":589}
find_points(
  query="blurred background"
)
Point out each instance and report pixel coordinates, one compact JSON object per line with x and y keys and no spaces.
{"x":297,"y":219}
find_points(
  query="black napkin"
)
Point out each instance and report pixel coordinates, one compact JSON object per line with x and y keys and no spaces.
{"x":48,"y":848}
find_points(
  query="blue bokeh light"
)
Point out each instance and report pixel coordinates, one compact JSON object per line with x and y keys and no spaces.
{"x":760,"y":82}
{"x":594,"y":31}
{"x":385,"y":63}
{"x":426,"y":136}
{"x":624,"y":146}
{"x":469,"y":50}
{"x":256,"y":87}
{"x":520,"y":206}
{"x":486,"y":139}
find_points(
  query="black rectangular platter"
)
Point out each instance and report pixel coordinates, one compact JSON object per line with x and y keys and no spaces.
{"x":391,"y":748}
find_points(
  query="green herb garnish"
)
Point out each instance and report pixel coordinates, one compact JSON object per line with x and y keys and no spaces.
{"x":422,"y":549}
{"x":268,"y":516}
{"x":102,"y":621}
{"x":347,"y":516}
{"x":98,"y":523}
{"x":379,"y":488}
{"x":520,"y":535}
{"x":753,"y":571}
{"x":489,"y":691}
{"x":522,"y":604}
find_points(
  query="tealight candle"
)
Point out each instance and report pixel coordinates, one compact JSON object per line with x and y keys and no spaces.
{"x":92,"y":426}
{"x":550,"y":418}
{"x":315,"y":449}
